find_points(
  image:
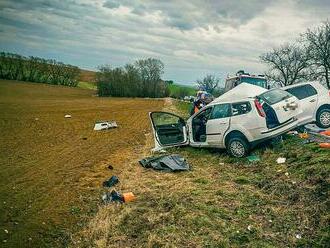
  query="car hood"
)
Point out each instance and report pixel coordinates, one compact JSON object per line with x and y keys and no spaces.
{"x":240,"y":92}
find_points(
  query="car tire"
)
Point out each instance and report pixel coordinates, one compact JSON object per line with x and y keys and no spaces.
{"x":323,"y":118}
{"x":238,"y":146}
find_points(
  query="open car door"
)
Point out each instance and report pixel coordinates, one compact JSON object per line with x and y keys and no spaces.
{"x":169,"y":130}
{"x":284,"y":104}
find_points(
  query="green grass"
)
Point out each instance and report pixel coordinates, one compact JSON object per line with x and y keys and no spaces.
{"x":225,"y":202}
{"x":183,"y":108}
{"x":87,"y":85}
{"x":176,"y":88}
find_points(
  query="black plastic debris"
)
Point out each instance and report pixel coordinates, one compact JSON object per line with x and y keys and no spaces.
{"x":110,"y":167}
{"x":167,"y":163}
{"x":112,"y":196}
{"x":111,"y":181}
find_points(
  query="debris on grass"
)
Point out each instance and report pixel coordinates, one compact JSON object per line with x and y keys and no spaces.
{"x":327,"y":133}
{"x":324,"y":145}
{"x":128,"y":197}
{"x":111,"y":181}
{"x":280,"y":160}
{"x":313,"y":128}
{"x":303,"y":135}
{"x":167,"y":163}
{"x":298,"y":236}
{"x":253,"y":158}
{"x":112,"y":196}
{"x":115,"y":196}
{"x":67,"y":116}
{"x":110,"y":167}
{"x":293,"y":132}
{"x":104,"y":125}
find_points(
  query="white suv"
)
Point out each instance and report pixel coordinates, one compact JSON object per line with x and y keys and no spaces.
{"x":314,"y":100}
{"x":237,"y":121}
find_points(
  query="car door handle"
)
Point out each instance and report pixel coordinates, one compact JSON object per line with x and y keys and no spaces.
{"x":313,"y":100}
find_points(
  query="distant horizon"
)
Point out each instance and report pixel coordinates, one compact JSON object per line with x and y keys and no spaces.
{"x":192,"y":38}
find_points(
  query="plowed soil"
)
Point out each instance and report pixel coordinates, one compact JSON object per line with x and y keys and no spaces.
{"x":51,"y":167}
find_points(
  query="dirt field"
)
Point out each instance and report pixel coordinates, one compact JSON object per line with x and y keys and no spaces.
{"x":87,"y":76}
{"x":52,"y":167}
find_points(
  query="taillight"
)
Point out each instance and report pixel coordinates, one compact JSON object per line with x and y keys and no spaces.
{"x":260,"y":110}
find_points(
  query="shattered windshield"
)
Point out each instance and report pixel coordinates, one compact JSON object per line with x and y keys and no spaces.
{"x":275,"y":96}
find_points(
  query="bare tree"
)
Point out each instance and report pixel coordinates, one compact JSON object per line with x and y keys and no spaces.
{"x":288,"y":64}
{"x":318,"y":47}
{"x":209,"y":83}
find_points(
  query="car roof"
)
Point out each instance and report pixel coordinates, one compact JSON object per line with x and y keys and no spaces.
{"x":242,"y":92}
{"x":315,"y":83}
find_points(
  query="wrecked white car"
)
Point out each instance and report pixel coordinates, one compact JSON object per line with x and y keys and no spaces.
{"x":237,"y":121}
{"x":314,"y":101}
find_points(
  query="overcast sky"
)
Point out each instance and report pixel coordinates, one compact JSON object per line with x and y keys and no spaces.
{"x":192,"y":37}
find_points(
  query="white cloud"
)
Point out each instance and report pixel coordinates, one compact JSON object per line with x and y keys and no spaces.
{"x":191,"y":37}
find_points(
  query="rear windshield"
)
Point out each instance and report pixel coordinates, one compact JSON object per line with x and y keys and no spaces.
{"x":274,"y":96}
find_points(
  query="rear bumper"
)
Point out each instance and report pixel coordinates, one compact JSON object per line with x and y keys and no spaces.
{"x":283,"y":125}
{"x":274,"y":132}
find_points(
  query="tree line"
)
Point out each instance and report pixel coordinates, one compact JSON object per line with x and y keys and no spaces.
{"x":39,"y":70}
{"x":139,"y":79}
{"x":308,"y":58}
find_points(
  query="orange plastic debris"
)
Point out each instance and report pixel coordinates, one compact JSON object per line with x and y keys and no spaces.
{"x":325,"y":145}
{"x":128,"y":197}
{"x":303,"y":135}
{"x":327,"y":132}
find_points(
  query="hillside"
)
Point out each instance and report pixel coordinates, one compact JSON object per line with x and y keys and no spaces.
{"x":178,"y":90}
{"x":87,"y":76}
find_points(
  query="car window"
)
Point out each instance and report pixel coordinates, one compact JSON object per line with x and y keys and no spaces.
{"x":241,"y":108}
{"x":302,"y":91}
{"x":205,"y":114}
{"x":274,"y":96}
{"x":160,"y":119}
{"x":220,"y":111}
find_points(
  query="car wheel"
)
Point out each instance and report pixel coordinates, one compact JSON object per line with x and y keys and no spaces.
{"x":238,"y":147}
{"x":323,"y":118}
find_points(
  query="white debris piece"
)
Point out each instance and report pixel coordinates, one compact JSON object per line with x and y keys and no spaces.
{"x":281,"y":160}
{"x":298,"y":236}
{"x":104,"y":125}
{"x":67,"y":116}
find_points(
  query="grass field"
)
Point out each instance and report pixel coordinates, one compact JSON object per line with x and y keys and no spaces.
{"x":52,"y":170}
{"x":52,"y":167}
{"x":175,"y":89}
{"x":222,"y":202}
{"x":87,"y":85}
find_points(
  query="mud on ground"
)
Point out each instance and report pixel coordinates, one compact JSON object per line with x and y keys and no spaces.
{"x":52,"y":167}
